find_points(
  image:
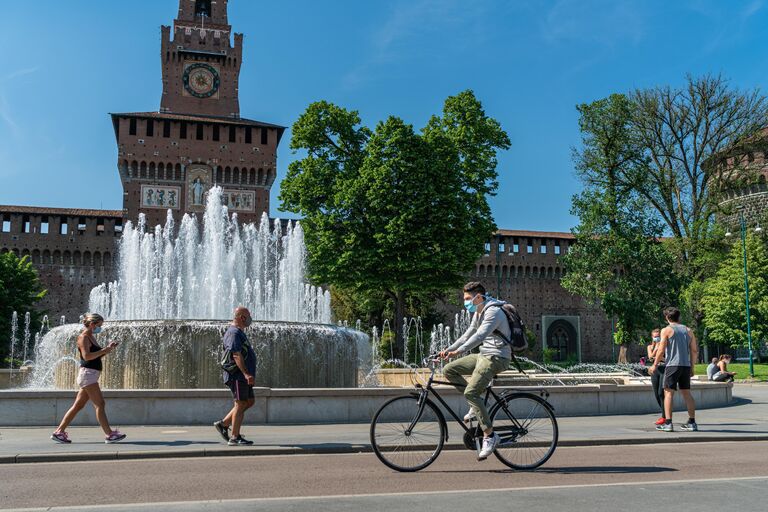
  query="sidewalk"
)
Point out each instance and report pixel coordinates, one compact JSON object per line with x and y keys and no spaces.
{"x":745,"y":420}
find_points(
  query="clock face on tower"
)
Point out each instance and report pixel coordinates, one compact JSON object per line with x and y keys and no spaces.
{"x":201,"y":80}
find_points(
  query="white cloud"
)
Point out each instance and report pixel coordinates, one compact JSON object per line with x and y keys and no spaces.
{"x":399,"y":35}
{"x":19,"y":72}
{"x":605,"y":23}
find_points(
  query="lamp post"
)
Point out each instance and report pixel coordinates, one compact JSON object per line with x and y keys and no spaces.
{"x":758,"y":229}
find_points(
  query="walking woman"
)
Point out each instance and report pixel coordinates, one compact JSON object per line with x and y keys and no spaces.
{"x":88,"y":381}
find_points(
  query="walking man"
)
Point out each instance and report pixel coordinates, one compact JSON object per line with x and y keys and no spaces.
{"x":238,"y":376}
{"x":495,"y":354}
{"x":678,"y":344}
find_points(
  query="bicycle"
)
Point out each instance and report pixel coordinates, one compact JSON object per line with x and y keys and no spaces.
{"x":408,"y":432}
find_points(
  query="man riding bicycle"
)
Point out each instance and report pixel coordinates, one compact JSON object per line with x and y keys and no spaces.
{"x":489,"y":329}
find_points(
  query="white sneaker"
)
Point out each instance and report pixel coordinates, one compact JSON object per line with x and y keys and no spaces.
{"x":489,"y":445}
{"x":470,"y":416}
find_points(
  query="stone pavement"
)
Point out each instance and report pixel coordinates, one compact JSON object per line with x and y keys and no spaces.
{"x":745,"y":420}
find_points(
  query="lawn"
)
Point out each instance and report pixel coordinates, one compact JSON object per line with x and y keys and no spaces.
{"x":741,"y":369}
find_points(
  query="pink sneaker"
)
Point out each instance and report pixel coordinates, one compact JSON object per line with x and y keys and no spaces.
{"x":114,"y":437}
{"x":61,"y":437}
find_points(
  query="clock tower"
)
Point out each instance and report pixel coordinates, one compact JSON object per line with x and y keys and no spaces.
{"x":200,"y":67}
{"x":169,"y":159}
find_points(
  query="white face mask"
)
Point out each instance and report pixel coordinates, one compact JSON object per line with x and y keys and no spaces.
{"x":96,"y":330}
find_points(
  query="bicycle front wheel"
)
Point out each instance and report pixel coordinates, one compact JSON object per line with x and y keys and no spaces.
{"x":406,"y":437}
{"x":527,"y":428}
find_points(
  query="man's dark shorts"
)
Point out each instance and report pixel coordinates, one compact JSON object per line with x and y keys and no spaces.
{"x":675,"y":376}
{"x":241,"y":390}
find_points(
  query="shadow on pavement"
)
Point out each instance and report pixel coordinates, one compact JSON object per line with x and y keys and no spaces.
{"x":737,"y":401}
{"x":168,"y":443}
{"x":706,"y":429}
{"x":607,"y":469}
{"x":594,"y":470}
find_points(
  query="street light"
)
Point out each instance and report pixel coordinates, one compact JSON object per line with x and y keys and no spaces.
{"x":758,"y":229}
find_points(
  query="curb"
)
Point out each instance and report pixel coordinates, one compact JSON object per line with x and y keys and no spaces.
{"x":320,"y":450}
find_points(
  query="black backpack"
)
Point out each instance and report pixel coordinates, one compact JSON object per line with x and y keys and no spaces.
{"x":518,"y":341}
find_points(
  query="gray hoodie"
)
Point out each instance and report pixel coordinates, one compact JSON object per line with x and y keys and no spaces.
{"x":482,"y":331}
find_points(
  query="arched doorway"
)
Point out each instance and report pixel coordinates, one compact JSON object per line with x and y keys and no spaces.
{"x":563,"y":339}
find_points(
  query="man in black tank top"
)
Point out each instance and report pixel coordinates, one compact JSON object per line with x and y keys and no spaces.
{"x":678,"y":344}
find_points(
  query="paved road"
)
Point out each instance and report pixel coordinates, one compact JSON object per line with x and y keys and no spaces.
{"x":746,"y":419}
{"x":699,"y":476}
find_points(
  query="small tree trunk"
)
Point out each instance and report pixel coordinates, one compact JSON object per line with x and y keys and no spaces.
{"x":623,"y":354}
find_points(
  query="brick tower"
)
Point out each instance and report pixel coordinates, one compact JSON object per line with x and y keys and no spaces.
{"x":170,"y":158}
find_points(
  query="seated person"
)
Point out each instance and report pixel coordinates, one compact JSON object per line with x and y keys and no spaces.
{"x":723,"y":375}
{"x":712,"y":369}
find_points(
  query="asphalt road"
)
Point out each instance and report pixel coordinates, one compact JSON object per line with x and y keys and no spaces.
{"x":626,"y":478}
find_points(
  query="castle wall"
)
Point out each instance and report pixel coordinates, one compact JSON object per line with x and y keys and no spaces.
{"x":72,"y":250}
{"x":170,"y":154}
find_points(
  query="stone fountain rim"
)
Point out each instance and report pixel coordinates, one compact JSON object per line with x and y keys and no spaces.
{"x":216,"y":322}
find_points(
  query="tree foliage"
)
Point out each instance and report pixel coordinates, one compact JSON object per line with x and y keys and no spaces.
{"x":723,"y":301}
{"x":682,"y":131}
{"x":392,"y":210}
{"x":617,"y":260}
{"x":20,"y":290}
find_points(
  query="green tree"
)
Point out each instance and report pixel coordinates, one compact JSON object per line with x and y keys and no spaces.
{"x":392,"y":210}
{"x":683,"y":132}
{"x":617,"y":260}
{"x":20,"y":290}
{"x":725,"y":312}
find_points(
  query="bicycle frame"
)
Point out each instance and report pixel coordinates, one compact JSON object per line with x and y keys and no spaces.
{"x":424,"y":392}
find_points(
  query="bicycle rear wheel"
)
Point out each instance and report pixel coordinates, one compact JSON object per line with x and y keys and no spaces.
{"x":527,"y":428}
{"x":404,"y":439}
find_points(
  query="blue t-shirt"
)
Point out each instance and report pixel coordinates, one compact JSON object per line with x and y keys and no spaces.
{"x":236,"y":341}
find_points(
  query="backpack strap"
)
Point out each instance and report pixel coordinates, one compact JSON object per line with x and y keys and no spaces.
{"x":499,"y":305}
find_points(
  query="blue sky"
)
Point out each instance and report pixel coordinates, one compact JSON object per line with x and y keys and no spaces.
{"x":65,"y":65}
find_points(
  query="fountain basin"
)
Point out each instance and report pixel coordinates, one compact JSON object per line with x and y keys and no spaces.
{"x":185,"y":354}
{"x":306,"y":406}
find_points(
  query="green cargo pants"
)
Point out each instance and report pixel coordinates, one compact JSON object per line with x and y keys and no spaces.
{"x":483,"y":369}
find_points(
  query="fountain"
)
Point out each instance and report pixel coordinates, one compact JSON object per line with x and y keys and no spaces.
{"x":173,"y":297}
{"x":171,"y":302}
